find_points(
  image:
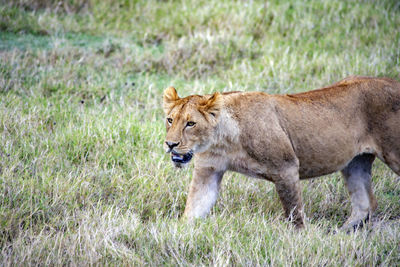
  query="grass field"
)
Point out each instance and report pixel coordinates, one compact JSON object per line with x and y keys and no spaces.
{"x":83,"y":176}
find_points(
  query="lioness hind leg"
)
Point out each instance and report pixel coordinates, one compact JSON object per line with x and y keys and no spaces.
{"x":388,"y":139}
{"x":288,"y":188}
{"x":357,"y":176}
{"x":393,"y":161}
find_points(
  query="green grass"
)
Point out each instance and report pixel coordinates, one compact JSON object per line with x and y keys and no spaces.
{"x":83,"y":176}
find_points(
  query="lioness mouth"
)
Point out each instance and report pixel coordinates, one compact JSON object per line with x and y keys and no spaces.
{"x":181,"y":158}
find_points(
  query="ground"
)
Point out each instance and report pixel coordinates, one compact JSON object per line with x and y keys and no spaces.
{"x":83,"y":176}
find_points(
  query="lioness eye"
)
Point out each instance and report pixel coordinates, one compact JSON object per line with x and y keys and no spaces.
{"x":169,"y":120}
{"x":190,"y":123}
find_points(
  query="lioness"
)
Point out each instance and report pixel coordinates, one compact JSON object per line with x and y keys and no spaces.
{"x":286,"y":138}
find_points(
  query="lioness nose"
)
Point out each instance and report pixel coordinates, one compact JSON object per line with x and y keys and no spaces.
{"x":171,"y":145}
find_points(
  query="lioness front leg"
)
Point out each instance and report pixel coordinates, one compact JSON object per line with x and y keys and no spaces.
{"x":288,"y":188}
{"x":203,"y":192}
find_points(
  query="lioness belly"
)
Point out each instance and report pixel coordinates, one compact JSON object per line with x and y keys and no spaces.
{"x":240,"y":162}
{"x":321,"y":153}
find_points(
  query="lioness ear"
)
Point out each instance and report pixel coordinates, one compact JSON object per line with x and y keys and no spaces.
{"x":213,"y":104}
{"x":170,"y":97}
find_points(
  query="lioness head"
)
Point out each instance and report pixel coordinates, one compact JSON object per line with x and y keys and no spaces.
{"x":190,"y":124}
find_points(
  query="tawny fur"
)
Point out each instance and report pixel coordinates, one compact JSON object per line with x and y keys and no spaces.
{"x":285,"y":138}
